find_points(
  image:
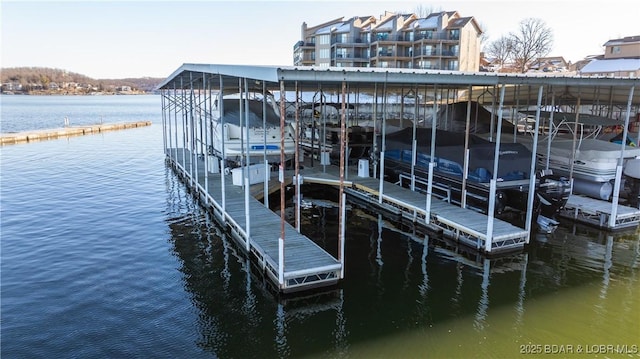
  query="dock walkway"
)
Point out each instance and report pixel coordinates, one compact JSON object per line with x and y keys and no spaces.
{"x":306,"y":265}
{"x":462,"y":224}
{"x":598,"y":213}
{"x":54,"y":133}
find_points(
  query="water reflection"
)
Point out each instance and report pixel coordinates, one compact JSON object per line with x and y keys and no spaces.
{"x":403,"y":283}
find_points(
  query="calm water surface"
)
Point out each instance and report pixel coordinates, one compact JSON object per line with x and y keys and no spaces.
{"x":105,"y":254}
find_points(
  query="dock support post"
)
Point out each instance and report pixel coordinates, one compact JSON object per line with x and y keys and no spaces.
{"x":282,"y":197}
{"x":343,"y":226}
{"x":532,"y":170}
{"x":264,"y":152}
{"x":223,"y":161}
{"x":618,"y":180}
{"x":427,"y":217}
{"x":343,"y":197}
{"x":281,"y":261}
{"x":492,"y":206}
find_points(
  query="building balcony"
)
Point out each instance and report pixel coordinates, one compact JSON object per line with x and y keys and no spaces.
{"x":301,"y":45}
{"x":350,"y":41}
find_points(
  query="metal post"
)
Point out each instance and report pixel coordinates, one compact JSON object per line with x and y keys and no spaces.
{"x":247,"y":212}
{"x":374,"y":106}
{"x":164,"y":124}
{"x":488,"y":242}
{"x":549,"y":138}
{"x":193,"y":164}
{"x":205,"y":152}
{"x":465,"y":167}
{"x":618,"y":181}
{"x":432,"y":151}
{"x":223,"y":161}
{"x":265,"y":189}
{"x":383,"y":145}
{"x":343,"y":198}
{"x":297,"y":159}
{"x":532,"y":170}
{"x":175,"y":120}
{"x":494,"y":180}
{"x":281,"y":262}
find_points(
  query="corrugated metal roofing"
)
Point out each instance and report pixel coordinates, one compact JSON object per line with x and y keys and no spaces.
{"x":520,"y":88}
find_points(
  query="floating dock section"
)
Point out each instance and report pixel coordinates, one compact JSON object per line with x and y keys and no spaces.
{"x":374,"y":100}
{"x":63,"y":132}
{"x":462,"y":224}
{"x":306,"y":265}
{"x":599,"y":213}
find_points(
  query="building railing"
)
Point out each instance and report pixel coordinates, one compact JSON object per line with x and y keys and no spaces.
{"x":300,"y":44}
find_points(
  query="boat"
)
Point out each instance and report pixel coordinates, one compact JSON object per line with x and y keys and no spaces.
{"x":586,"y":156}
{"x":597,"y":148}
{"x":258,"y":116}
{"x":513,"y":177}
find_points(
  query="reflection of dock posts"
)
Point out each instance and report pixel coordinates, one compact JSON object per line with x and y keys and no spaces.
{"x":282,"y":348}
{"x":618,"y":180}
{"x":483,"y":303}
{"x":521,"y":290}
{"x":608,"y":255}
{"x":424,"y":288}
{"x":379,"y":245}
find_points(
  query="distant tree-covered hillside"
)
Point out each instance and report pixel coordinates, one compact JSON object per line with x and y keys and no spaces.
{"x":42,"y":77}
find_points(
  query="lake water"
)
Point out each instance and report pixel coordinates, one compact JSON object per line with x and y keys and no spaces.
{"x":105,"y":254}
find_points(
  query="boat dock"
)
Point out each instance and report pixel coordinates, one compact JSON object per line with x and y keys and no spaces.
{"x":305,"y":264}
{"x":288,"y":258}
{"x":63,"y":132}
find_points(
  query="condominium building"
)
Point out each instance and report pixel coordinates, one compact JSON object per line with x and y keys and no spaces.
{"x":440,"y":41}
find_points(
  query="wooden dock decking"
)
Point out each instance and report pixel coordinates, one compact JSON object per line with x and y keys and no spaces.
{"x":462,"y":224}
{"x":54,"y":133}
{"x":306,"y":265}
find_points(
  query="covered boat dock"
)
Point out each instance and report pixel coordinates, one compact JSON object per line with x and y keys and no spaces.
{"x":374,"y":99}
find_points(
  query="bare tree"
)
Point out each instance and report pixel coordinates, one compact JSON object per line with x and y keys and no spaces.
{"x":424,"y":11}
{"x":501,"y":50}
{"x":484,"y":36}
{"x":533,"y":40}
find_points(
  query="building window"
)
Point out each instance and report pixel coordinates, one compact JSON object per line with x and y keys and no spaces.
{"x":325,"y":39}
{"x":341,"y":38}
{"x":324,"y":54}
{"x":615,"y":49}
{"x":381,"y":36}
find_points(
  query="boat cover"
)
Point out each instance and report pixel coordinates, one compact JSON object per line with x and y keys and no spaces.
{"x":514,"y":158}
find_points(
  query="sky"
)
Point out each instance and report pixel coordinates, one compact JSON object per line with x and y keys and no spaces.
{"x":121,"y":39}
